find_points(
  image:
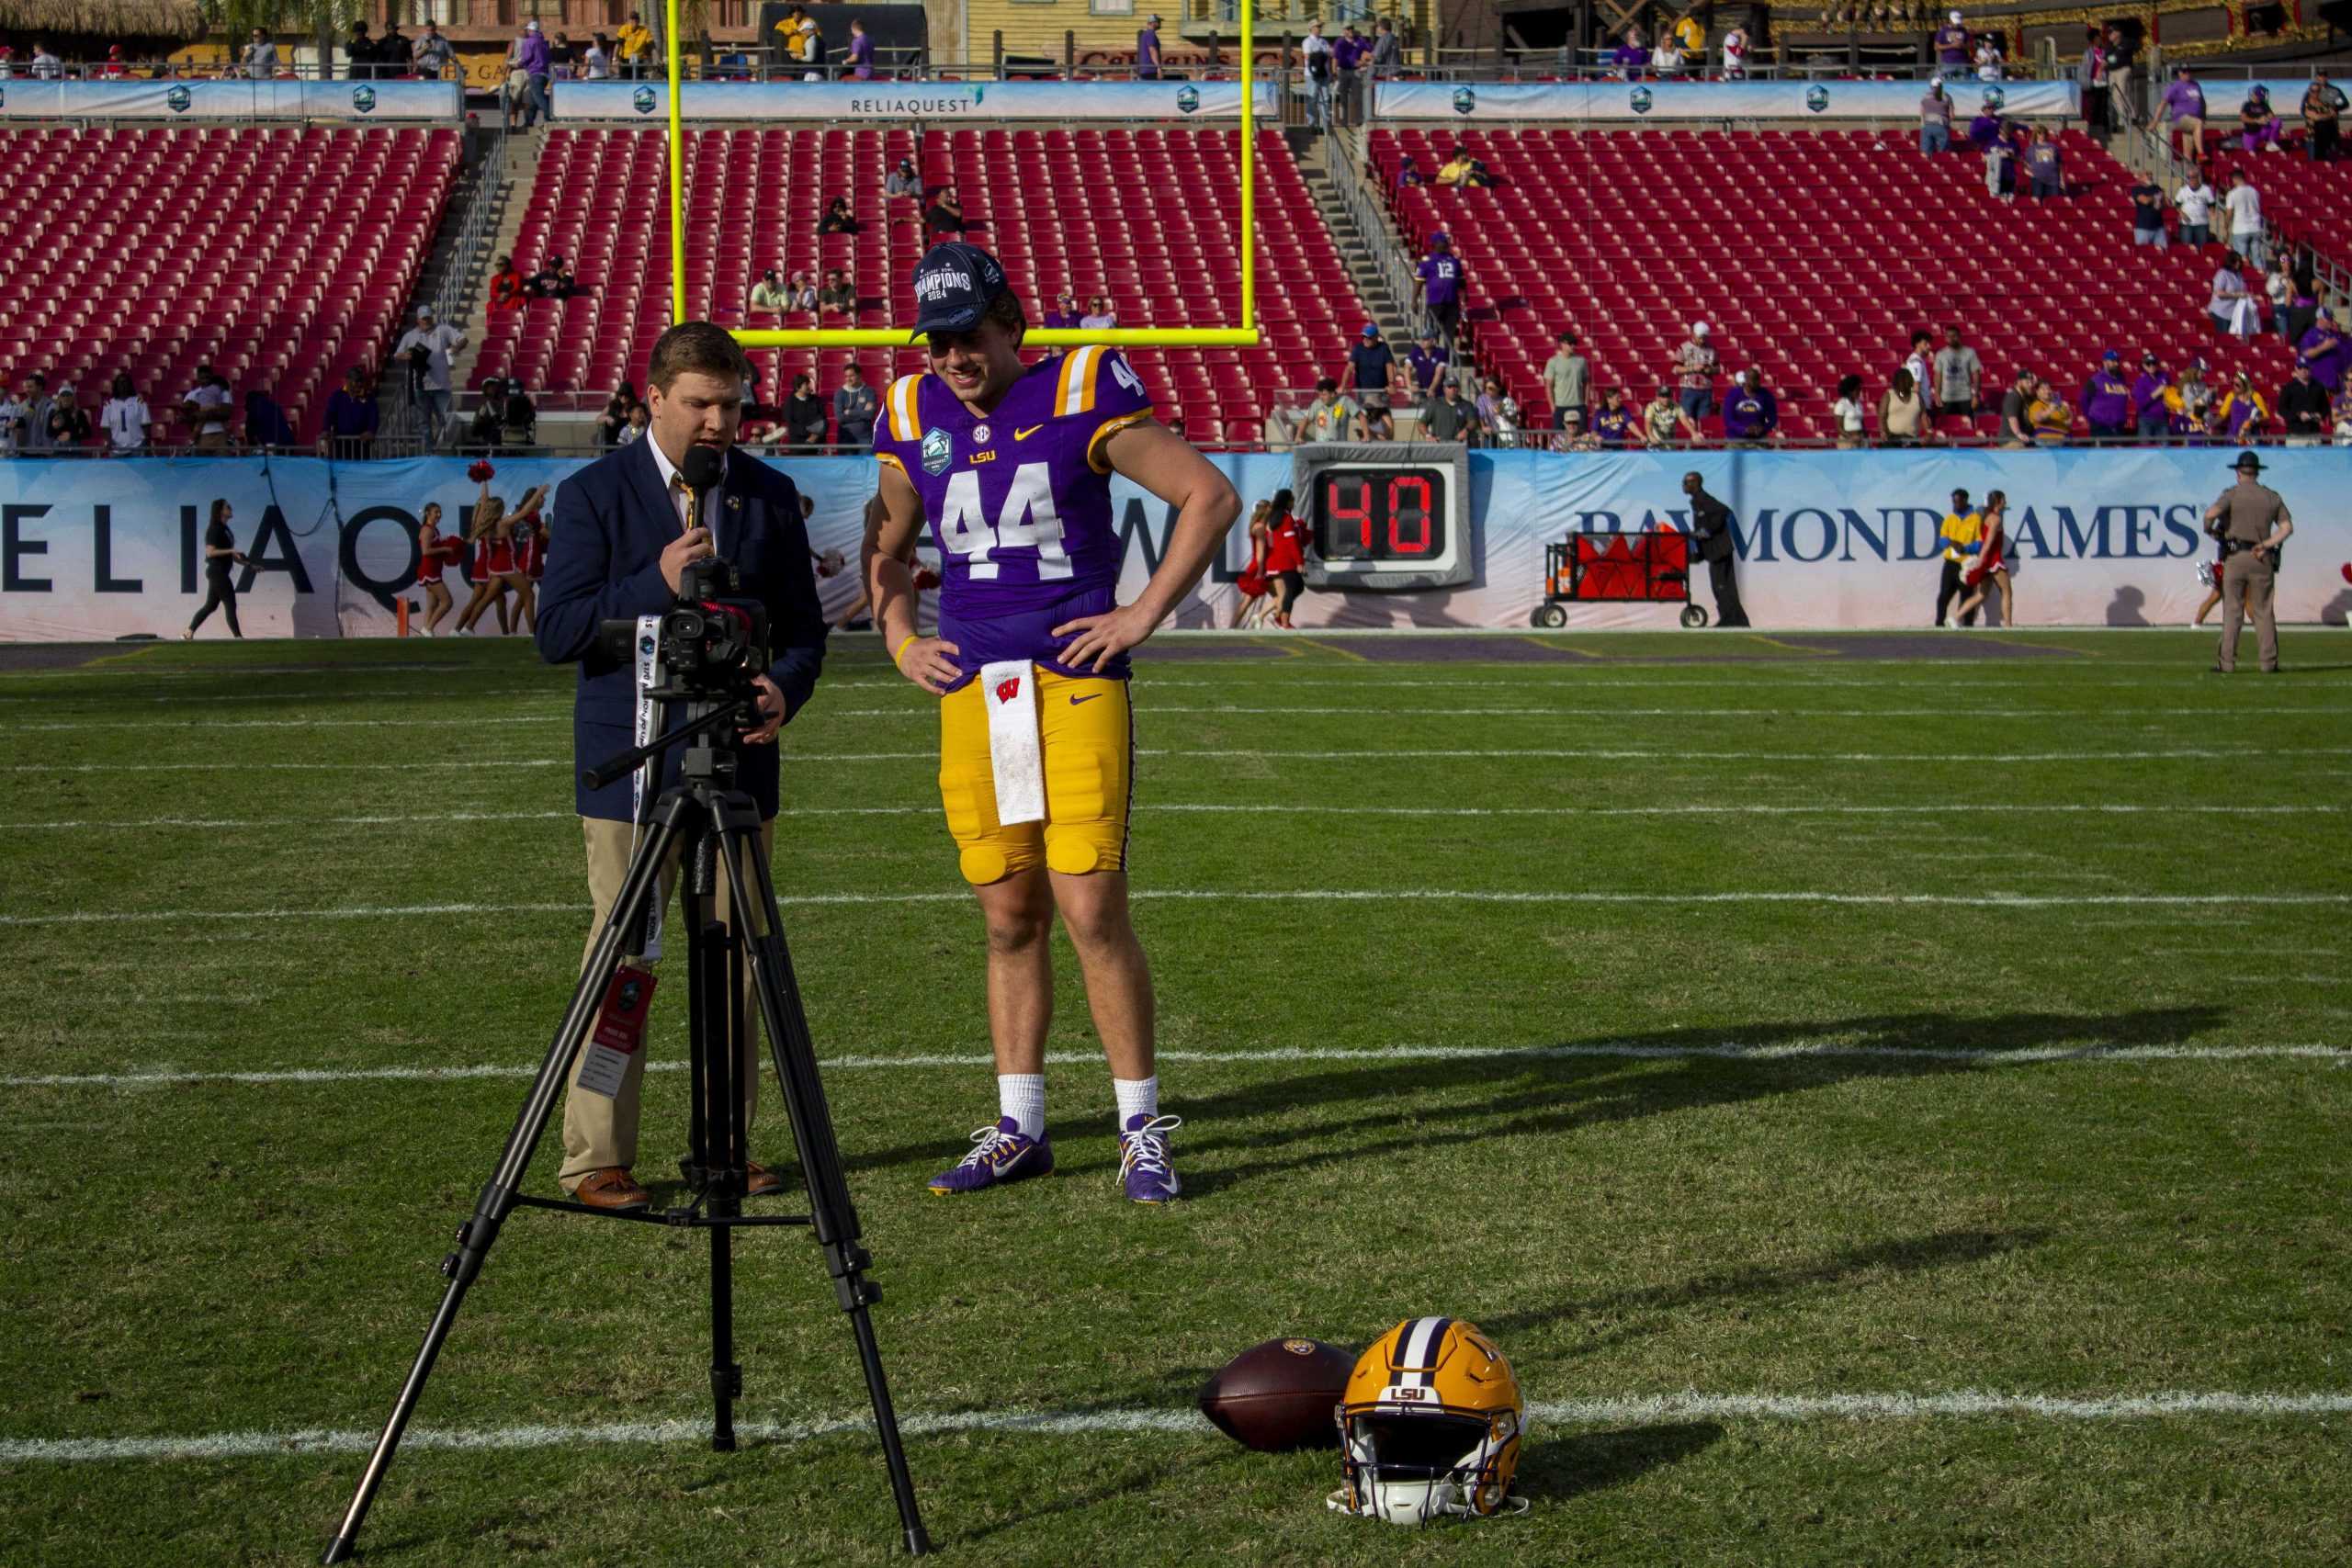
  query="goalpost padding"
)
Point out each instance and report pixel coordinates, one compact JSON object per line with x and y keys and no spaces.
{"x":1244,"y":336}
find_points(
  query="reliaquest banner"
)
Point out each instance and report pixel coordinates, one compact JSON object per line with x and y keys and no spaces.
{"x":897,"y":102}
{"x":407,"y":102}
{"x":104,"y":550}
{"x":1627,"y":103}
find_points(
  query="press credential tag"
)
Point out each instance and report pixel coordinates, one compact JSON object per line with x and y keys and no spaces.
{"x":619,"y":1030}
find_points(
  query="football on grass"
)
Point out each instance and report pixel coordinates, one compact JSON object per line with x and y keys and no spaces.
{"x":1279,"y":1395}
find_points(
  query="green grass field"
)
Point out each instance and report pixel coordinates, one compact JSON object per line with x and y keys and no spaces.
{"x":1763,"y":1040}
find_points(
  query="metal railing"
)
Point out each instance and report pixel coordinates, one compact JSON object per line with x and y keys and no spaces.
{"x":476,"y":230}
{"x":1370,"y":214}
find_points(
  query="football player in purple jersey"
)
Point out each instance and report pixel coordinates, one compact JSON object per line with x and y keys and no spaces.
{"x":1010,"y":469}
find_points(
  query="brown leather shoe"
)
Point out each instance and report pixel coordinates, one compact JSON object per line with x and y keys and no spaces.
{"x":612,"y":1187}
{"x":761,"y":1180}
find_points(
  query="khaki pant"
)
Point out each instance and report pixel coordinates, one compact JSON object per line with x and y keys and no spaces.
{"x":600,"y":1132}
{"x":2247,"y":583}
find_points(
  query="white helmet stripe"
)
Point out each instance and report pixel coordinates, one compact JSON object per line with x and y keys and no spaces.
{"x":1417,"y":1350}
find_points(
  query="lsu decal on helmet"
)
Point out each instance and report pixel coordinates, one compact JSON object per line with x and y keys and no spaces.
{"x":1430,"y":1426}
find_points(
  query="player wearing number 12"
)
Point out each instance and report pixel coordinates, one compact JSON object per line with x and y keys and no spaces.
{"x":1010,"y":467}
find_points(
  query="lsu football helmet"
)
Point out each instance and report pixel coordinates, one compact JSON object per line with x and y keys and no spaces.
{"x":1431,"y":1425}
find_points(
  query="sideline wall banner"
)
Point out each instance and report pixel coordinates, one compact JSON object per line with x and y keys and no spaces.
{"x":358,"y":102}
{"x":1630,"y":103}
{"x":99,"y":549}
{"x":897,"y":103}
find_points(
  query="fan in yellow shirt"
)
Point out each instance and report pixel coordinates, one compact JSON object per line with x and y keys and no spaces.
{"x":1693,"y":36}
{"x":799,"y":34}
{"x":634,"y":42}
{"x":2051,"y":416}
{"x":1963,"y":536}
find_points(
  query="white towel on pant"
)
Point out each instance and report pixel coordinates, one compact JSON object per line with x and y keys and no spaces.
{"x":1015,"y":753}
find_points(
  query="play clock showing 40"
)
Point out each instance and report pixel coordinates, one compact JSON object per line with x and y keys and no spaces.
{"x":1379,"y":522}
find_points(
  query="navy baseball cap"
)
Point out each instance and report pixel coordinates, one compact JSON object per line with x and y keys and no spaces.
{"x":955,"y":286}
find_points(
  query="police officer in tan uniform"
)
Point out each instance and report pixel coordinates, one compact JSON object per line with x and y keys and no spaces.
{"x":2250,"y":522}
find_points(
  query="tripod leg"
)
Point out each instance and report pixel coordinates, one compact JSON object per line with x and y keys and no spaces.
{"x":718,"y":1136}
{"x":761,"y":928}
{"x":497,"y":1197}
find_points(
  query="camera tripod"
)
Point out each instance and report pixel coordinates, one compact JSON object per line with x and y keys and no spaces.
{"x":711,"y":825}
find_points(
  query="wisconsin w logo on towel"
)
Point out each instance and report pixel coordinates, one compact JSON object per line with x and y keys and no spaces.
{"x":1008,"y":690}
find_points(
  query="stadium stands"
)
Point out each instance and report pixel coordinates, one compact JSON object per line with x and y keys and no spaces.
{"x":1149,"y":218}
{"x":1810,"y":254}
{"x":279,"y":256}
{"x":2311,"y":202}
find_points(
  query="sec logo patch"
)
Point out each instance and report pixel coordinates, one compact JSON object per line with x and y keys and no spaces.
{"x":938,"y":450}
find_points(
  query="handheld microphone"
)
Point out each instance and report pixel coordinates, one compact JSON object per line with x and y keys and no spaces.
{"x":701,"y":470}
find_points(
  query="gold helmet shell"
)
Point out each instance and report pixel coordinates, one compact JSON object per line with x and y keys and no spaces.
{"x":1431,"y":1425}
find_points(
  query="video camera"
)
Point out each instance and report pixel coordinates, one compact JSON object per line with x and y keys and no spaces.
{"x":711,"y":642}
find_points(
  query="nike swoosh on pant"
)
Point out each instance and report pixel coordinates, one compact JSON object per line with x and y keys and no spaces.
{"x":1074,"y":701}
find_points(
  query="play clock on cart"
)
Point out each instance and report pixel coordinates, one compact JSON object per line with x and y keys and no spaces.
{"x":1385,"y":517}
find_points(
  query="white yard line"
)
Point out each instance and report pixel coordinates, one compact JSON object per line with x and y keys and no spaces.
{"x":1635,"y":1410}
{"x":1601,"y":1051}
{"x":1302,"y":895}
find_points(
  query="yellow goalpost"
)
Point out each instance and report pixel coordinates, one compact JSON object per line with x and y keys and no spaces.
{"x":1244,"y":336}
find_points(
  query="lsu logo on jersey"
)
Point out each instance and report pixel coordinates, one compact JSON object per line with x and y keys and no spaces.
{"x":1008,"y":689}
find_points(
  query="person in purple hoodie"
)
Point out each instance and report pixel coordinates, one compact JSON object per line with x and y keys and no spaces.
{"x":1348,"y":52}
{"x":1148,"y":52}
{"x":2326,"y":351}
{"x":534,"y":62}
{"x":2106,"y":399}
{"x":1952,"y":41}
{"x":2149,"y":415}
{"x":2183,"y":106}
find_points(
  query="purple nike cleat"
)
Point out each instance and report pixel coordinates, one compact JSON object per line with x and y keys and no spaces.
{"x":998,"y":1154}
{"x":1144,"y":1170}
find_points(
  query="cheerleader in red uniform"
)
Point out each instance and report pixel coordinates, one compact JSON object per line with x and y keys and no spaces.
{"x":1285,"y":556}
{"x":1992,"y":570}
{"x":494,"y":552}
{"x":1255,"y":601}
{"x":530,"y":565}
{"x":435,"y":553}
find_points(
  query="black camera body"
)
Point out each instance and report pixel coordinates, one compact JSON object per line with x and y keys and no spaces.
{"x":712,"y":642}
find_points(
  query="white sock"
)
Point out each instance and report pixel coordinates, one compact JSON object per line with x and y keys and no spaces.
{"x":1022,"y":1095}
{"x":1138,"y":1097}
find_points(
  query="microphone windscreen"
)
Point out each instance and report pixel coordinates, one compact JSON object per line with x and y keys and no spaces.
{"x":702,"y":467}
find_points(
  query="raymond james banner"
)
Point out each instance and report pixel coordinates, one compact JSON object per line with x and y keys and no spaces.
{"x":1628,"y":103}
{"x":407,"y":102}
{"x":100,"y":549}
{"x":897,"y":102}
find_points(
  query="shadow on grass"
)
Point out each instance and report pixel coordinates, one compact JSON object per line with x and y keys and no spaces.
{"x":1560,"y":1470}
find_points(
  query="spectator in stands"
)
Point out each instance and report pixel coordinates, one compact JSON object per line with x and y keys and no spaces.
{"x":351,"y":419}
{"x":432,"y":53}
{"x":266,"y":422}
{"x":2244,"y":204}
{"x":1348,"y":52}
{"x":2191,"y":402}
{"x":769,"y":295}
{"x":2148,"y":213}
{"x":425,"y":351}
{"x":503,"y":419}
{"x":47,"y":67}
{"x":2302,"y":408}
{"x":69,"y":426}
{"x":1148,"y":52}
{"x":637,"y":46}
{"x":855,"y":407}
{"x":804,"y":414}
{"x":1458,"y":168}
{"x":1663,"y":418}
{"x":1983,"y":130}
{"x":2323,"y":107}
{"x":1668,"y":59}
{"x":1379,"y":423}
{"x":12,"y":424}
{"x":641,"y":419}
{"x":2051,"y":417}
{"x":861,"y":51}
{"x":1921,"y":363}
{"x":1990,"y":58}
{"x":1952,"y":43}
{"x":1751,"y":414}
{"x":1735,"y":54}
{"x":34,"y":409}
{"x":1372,"y":368}
{"x":2151,"y":416}
{"x":1574,"y":435}
{"x":359,"y":53}
{"x":2278,"y":286}
{"x":1387,"y":51}
{"x":839,"y":294}
{"x":2258,"y":129}
{"x":946,"y":213}
{"x":2090,"y":84}
{"x":1848,"y":412}
{"x":596,"y":64}
{"x":114,"y":69}
{"x":552,"y":281}
{"x":800,"y":46}
{"x":260,"y":59}
{"x":1331,"y":417}
{"x":2195,"y":199}
{"x":1322,"y":73}
{"x":1694,"y":365}
{"x":904,"y":181}
{"x":2001,"y":168}
{"x":1438,"y":281}
{"x":2045,"y":166}
{"x":1064,"y":316}
{"x":1099,"y":317}
{"x":205,"y":409}
{"x":2232,"y":311}
{"x":2106,"y":399}
{"x":2326,"y":351}
{"x":2243,"y":414}
{"x":535,"y":65}
{"x":2122,"y":114}
{"x":507,"y":285}
{"x":1934,"y":118}
{"x":804,"y":293}
{"x":1428,"y":363}
{"x":1499,"y":412}
{"x":1959,"y":378}
{"x":2016,"y":406}
{"x":1567,"y":377}
{"x":125,"y":418}
{"x":839,"y":220}
{"x":1616,"y":425}
{"x":1631,"y":58}
{"x":1903,"y":412}
{"x":1450,"y":416}
{"x":615,"y":419}
{"x":1690,"y":36}
{"x":395,"y":56}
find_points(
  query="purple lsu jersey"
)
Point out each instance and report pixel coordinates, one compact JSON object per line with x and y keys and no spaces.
{"x":1019,"y":502}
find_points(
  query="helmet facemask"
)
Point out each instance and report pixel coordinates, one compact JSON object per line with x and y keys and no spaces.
{"x":1413,"y":1465}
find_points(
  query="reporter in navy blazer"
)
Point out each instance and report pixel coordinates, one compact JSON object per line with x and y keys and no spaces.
{"x":616,"y":543}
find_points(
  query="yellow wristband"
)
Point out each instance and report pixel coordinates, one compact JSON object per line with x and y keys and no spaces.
{"x":911,"y":639}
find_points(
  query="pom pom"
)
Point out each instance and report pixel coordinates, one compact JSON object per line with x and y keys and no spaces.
{"x":480,"y":472}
